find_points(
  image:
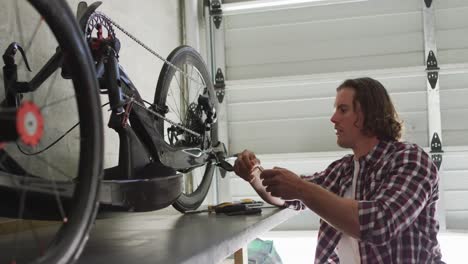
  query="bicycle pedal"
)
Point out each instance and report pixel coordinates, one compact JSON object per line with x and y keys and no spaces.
{"x":225,"y":165}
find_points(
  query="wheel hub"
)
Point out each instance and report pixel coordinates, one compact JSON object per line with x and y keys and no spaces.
{"x":29,"y":123}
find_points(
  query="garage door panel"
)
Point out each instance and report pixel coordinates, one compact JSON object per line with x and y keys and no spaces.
{"x":452,"y":56}
{"x":320,"y":13}
{"x":324,"y":50}
{"x":307,"y":87}
{"x":285,"y":109}
{"x":452,"y":81}
{"x":455,"y":137}
{"x":452,"y":38}
{"x":450,"y":4}
{"x":454,"y":99}
{"x":283,"y":91}
{"x":456,"y":200}
{"x":455,"y":120}
{"x":456,"y":160}
{"x":315,"y":107}
{"x":454,"y":179}
{"x":337,"y":30}
{"x":457,"y":220}
{"x":447,"y":18}
{"x":324,"y":66}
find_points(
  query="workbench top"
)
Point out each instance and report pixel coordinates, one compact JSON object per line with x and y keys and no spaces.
{"x":167,"y":236}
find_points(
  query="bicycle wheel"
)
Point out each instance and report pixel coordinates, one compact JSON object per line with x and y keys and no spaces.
{"x":48,"y":191}
{"x":179,"y":95}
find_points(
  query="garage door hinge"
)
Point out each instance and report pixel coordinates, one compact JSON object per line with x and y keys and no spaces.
{"x":432,"y":69}
{"x":216,"y":12}
{"x":436,"y":150}
{"x":219,"y":85}
{"x":428,"y":3}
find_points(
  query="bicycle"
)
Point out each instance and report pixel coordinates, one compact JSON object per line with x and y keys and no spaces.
{"x":162,"y":143}
{"x":165,"y":143}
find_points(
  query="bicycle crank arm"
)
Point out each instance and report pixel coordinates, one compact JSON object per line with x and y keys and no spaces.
{"x":185,"y":158}
{"x":221,"y":157}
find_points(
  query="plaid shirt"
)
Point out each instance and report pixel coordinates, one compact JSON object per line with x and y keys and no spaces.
{"x":396,"y":190}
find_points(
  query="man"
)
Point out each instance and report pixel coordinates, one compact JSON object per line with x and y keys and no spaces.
{"x":377,"y":205}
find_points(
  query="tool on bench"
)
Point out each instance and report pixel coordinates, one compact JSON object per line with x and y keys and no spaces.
{"x":237,"y":209}
{"x":244,"y":207}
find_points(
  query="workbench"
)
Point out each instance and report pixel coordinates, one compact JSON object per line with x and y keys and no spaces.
{"x":166,"y":236}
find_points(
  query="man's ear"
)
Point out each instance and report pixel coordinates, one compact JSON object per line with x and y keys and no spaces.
{"x":359,"y":114}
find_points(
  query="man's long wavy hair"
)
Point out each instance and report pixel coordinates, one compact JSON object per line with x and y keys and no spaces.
{"x":380,"y":117}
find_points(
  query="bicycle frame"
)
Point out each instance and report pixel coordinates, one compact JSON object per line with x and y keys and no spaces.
{"x":147,"y":131}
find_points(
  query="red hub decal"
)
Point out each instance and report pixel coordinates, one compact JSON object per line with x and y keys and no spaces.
{"x":29,"y":123}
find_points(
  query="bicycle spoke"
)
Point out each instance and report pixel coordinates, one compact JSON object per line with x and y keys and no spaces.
{"x":36,"y":30}
{"x":190,"y":81}
{"x":203,"y":85}
{"x":173,"y":97}
{"x":70,"y":178}
{"x":28,"y":46}
{"x":54,"y":184}
{"x":18,"y":22}
{"x":19,"y":220}
{"x":49,"y":88}
{"x":3,"y":158}
{"x":175,"y":104}
{"x":39,"y":243}
{"x":59,"y":202}
{"x":21,"y":38}
{"x":57,"y":195}
{"x":58,"y":101}
{"x":180,"y":89}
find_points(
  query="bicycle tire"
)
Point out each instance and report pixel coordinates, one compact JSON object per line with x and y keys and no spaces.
{"x":185,"y":55}
{"x":67,"y":243}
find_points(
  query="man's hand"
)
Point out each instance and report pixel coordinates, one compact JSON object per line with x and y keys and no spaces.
{"x":244,"y":164}
{"x":282,"y":183}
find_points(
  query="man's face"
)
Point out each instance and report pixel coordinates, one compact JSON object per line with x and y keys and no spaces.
{"x":347,"y":120}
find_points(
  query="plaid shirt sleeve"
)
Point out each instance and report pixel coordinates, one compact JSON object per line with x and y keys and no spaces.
{"x":318,"y":178}
{"x":401,"y":194}
{"x":298,"y":204}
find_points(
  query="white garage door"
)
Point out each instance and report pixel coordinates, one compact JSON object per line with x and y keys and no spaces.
{"x":282,"y":68}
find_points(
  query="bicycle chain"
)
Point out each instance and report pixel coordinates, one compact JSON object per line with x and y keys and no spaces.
{"x":139,"y":42}
{"x":132,"y":100}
